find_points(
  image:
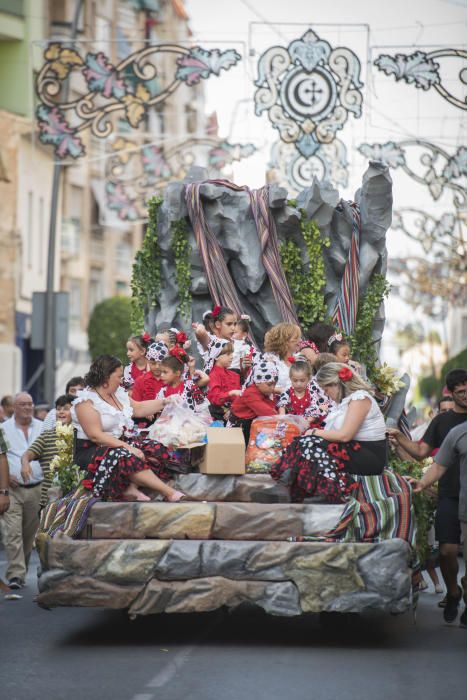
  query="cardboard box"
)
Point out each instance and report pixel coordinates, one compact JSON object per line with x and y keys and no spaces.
{"x":224,"y":452}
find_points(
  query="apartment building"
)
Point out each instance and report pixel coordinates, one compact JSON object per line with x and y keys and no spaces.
{"x":96,"y":250}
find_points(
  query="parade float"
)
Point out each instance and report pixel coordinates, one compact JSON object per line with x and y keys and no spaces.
{"x":276,"y":259}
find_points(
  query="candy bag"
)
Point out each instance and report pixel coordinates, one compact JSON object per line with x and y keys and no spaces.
{"x":269,"y":437}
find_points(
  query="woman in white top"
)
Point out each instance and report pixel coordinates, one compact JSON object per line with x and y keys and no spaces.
{"x":116,"y":461}
{"x":353,"y":441}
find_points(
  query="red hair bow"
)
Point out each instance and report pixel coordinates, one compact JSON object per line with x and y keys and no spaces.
{"x":181,"y":337}
{"x":216,"y":311}
{"x":345,"y":374}
{"x":179,"y":354}
{"x":146,"y":337}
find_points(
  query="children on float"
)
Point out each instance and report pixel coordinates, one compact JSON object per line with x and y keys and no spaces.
{"x":224,"y":384}
{"x":136,"y":352}
{"x":149,"y":384}
{"x":340,"y":347}
{"x":172,"y":374}
{"x":297,"y":400}
{"x":221,"y":323}
{"x":257,"y":399}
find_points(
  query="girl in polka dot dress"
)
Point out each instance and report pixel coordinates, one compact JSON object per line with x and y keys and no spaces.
{"x":173,"y":369}
{"x":297,"y":400}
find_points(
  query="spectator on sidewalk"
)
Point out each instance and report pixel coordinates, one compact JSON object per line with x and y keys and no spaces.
{"x":44,"y":447}
{"x":74,"y":385}
{"x":21,"y":520}
{"x":452,"y":455}
{"x":447,"y":525}
{"x":7,"y":404}
{"x":4,"y":475}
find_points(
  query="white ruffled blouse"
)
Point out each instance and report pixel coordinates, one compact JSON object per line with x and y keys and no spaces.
{"x":372,"y":428}
{"x":114,"y":421}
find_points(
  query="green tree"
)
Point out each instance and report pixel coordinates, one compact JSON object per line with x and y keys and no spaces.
{"x":109,"y":327}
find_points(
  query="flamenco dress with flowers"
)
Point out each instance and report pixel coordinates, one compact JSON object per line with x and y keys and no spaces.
{"x":313,"y":466}
{"x":109,"y":468}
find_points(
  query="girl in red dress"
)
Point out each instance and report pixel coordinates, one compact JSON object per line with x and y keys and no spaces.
{"x":173,"y":369}
{"x":149,"y":384}
{"x":224,"y":384}
{"x":297,"y":399}
{"x":136,"y":352}
{"x":257,"y":399}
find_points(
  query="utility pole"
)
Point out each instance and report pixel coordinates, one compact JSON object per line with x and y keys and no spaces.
{"x":50,"y":320}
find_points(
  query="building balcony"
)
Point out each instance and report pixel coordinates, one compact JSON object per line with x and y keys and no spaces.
{"x":12,"y":20}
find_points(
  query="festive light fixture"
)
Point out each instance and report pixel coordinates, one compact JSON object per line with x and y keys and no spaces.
{"x":136,"y":173}
{"x":126,"y":90}
{"x":297,"y":172}
{"x":443,"y":238}
{"x":421,"y":70}
{"x":308,"y":90}
{"x":439,"y":170}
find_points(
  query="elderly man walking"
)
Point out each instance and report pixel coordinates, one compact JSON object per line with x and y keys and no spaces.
{"x":21,"y":520}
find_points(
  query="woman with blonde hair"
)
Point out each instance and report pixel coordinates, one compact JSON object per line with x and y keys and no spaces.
{"x":321,"y":463}
{"x":281,"y":342}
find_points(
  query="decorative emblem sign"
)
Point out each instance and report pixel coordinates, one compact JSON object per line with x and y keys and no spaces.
{"x":308,"y":91}
{"x":136,"y":173}
{"x":442,"y":238}
{"x":439,"y":171}
{"x":297,"y":172}
{"x":421,"y":70}
{"x":125,"y":90}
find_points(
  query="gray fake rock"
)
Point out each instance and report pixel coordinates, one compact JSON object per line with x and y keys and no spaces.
{"x":210,"y":487}
{"x":228,"y":215}
{"x":198,"y":521}
{"x":285,"y":578}
{"x":204,"y":594}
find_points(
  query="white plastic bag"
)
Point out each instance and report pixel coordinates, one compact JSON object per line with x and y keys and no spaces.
{"x":179,"y":427}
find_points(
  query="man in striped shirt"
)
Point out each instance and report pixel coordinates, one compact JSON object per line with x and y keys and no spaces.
{"x":44,"y":447}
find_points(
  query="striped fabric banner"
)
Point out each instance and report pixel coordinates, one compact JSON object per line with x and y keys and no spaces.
{"x":345,"y":312}
{"x":267,"y":234}
{"x":381,"y":509}
{"x":220,"y":283}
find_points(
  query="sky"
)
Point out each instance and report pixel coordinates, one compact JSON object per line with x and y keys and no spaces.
{"x":391,"y":111}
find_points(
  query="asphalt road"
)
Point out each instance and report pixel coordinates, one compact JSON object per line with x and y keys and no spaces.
{"x":78,"y":653}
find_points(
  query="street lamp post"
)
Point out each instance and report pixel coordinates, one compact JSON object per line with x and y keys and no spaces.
{"x":50,"y":320}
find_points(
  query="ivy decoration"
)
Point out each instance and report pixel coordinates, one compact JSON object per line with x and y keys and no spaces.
{"x":424,"y":503}
{"x":307,"y":281}
{"x":181,"y":249}
{"x":361,"y":340}
{"x":146,"y":276}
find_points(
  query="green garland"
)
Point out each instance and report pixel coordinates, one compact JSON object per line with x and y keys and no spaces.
{"x":362,"y":340}
{"x":306,"y":281}
{"x":181,"y":249}
{"x":146,"y":277}
{"x":424,"y":504}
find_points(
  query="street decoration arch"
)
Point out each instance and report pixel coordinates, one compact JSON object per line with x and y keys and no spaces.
{"x":126,"y":90}
{"x":134,"y":173}
{"x":421,"y":70}
{"x":440,"y":171}
{"x":308,"y":90}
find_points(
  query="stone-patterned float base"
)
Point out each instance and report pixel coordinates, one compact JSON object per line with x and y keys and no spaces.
{"x":210,"y":487}
{"x":283,"y":578}
{"x":203,"y":521}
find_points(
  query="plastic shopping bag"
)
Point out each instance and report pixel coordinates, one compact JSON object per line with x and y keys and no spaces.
{"x":179,"y":427}
{"x":269,"y":436}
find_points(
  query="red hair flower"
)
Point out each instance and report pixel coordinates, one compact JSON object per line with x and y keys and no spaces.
{"x":216,"y":311}
{"x":181,"y":337}
{"x":345,"y":374}
{"x":146,"y":337}
{"x":291,"y":359}
{"x":179,"y":354}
